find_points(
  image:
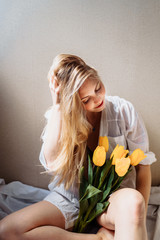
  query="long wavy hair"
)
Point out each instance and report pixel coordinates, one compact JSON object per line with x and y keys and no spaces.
{"x":70,"y":72}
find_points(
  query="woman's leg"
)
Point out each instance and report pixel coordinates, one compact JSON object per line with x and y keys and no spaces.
{"x":125,"y":215}
{"x":109,"y":234}
{"x":40,"y":221}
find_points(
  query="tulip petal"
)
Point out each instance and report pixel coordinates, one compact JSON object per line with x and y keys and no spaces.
{"x":114,"y":151}
{"x":137,"y":156}
{"x":122,"y":166}
{"x":99,"y":156}
{"x":118,"y":152}
{"x":103,"y":141}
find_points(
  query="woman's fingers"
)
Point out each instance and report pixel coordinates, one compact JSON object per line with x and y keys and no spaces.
{"x":54,"y":86}
{"x":55,"y":89}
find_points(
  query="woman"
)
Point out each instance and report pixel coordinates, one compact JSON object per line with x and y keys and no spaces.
{"x":80,"y":113}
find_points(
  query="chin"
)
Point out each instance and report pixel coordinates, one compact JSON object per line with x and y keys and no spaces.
{"x":96,"y":110}
{"x":99,"y":109}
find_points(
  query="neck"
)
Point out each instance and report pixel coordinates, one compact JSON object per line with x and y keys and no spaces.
{"x":94,"y":118}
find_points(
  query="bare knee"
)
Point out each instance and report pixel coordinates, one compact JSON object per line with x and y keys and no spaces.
{"x":134,"y":207}
{"x":3,"y":230}
{"x":7,"y":232}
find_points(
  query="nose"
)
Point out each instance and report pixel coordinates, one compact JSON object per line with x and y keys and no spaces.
{"x":97,"y":99}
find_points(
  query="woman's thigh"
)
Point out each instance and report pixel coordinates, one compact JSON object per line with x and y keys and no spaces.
{"x":39,"y":214}
{"x":121,"y":201}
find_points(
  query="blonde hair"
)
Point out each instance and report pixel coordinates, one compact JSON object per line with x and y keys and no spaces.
{"x":70,"y":72}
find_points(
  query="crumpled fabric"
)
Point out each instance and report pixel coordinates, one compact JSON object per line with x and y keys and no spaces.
{"x":16,"y":195}
{"x":153,"y":214}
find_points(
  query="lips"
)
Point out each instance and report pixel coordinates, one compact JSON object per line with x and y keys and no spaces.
{"x":100,"y":105}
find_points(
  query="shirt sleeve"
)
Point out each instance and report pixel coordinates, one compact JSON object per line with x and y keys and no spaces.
{"x":136,"y":134}
{"x":42,"y":158}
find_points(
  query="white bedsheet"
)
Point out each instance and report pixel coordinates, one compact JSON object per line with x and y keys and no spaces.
{"x":16,"y":195}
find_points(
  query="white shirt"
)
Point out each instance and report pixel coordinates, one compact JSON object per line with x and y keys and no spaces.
{"x":122,"y":125}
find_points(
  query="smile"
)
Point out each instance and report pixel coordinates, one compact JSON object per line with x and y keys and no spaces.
{"x":100,"y":105}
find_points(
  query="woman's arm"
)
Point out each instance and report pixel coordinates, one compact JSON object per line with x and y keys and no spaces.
{"x":143,"y":181}
{"x":53,"y":128}
{"x":52,"y":135}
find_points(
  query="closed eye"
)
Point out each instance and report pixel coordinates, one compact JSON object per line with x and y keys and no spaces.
{"x":98,"y":89}
{"x":85,"y":102}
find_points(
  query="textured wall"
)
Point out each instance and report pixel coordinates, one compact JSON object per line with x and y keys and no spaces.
{"x":119,"y":38}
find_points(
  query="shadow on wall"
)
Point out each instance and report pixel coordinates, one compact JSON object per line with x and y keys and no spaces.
{"x":21,"y":128}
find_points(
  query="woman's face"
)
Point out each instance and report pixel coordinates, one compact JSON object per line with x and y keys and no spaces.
{"x":92,"y":94}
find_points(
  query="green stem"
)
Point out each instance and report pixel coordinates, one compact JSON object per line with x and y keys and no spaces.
{"x":82,"y":227}
{"x":77,"y":224}
{"x":88,"y":212}
{"x":108,"y":167}
{"x":115,"y":182}
{"x":102,"y":181}
{"x":96,"y":176}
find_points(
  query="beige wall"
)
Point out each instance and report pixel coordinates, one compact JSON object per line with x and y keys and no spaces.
{"x":119,"y":38}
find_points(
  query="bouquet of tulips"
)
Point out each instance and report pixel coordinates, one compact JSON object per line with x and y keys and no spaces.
{"x":104,"y":178}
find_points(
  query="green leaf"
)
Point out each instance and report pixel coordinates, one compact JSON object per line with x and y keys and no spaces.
{"x":90,"y":192}
{"x":92,"y":203}
{"x":83,"y":183}
{"x":100,"y":208}
{"x":81,"y":225}
{"x":77,"y":225}
{"x":90,"y":171}
{"x":97,"y":176}
{"x":94,"y":171}
{"x":104,"y":172}
{"x":83,"y":206}
{"x":111,"y":177}
{"x":106,"y":193}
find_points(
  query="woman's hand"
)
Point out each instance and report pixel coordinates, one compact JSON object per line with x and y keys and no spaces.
{"x":55,"y":89}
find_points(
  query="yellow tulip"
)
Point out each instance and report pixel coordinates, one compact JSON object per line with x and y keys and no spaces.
{"x":103,"y":141}
{"x":121,"y":166}
{"x":137,"y":156}
{"x":118,"y":152}
{"x":99,"y":156}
